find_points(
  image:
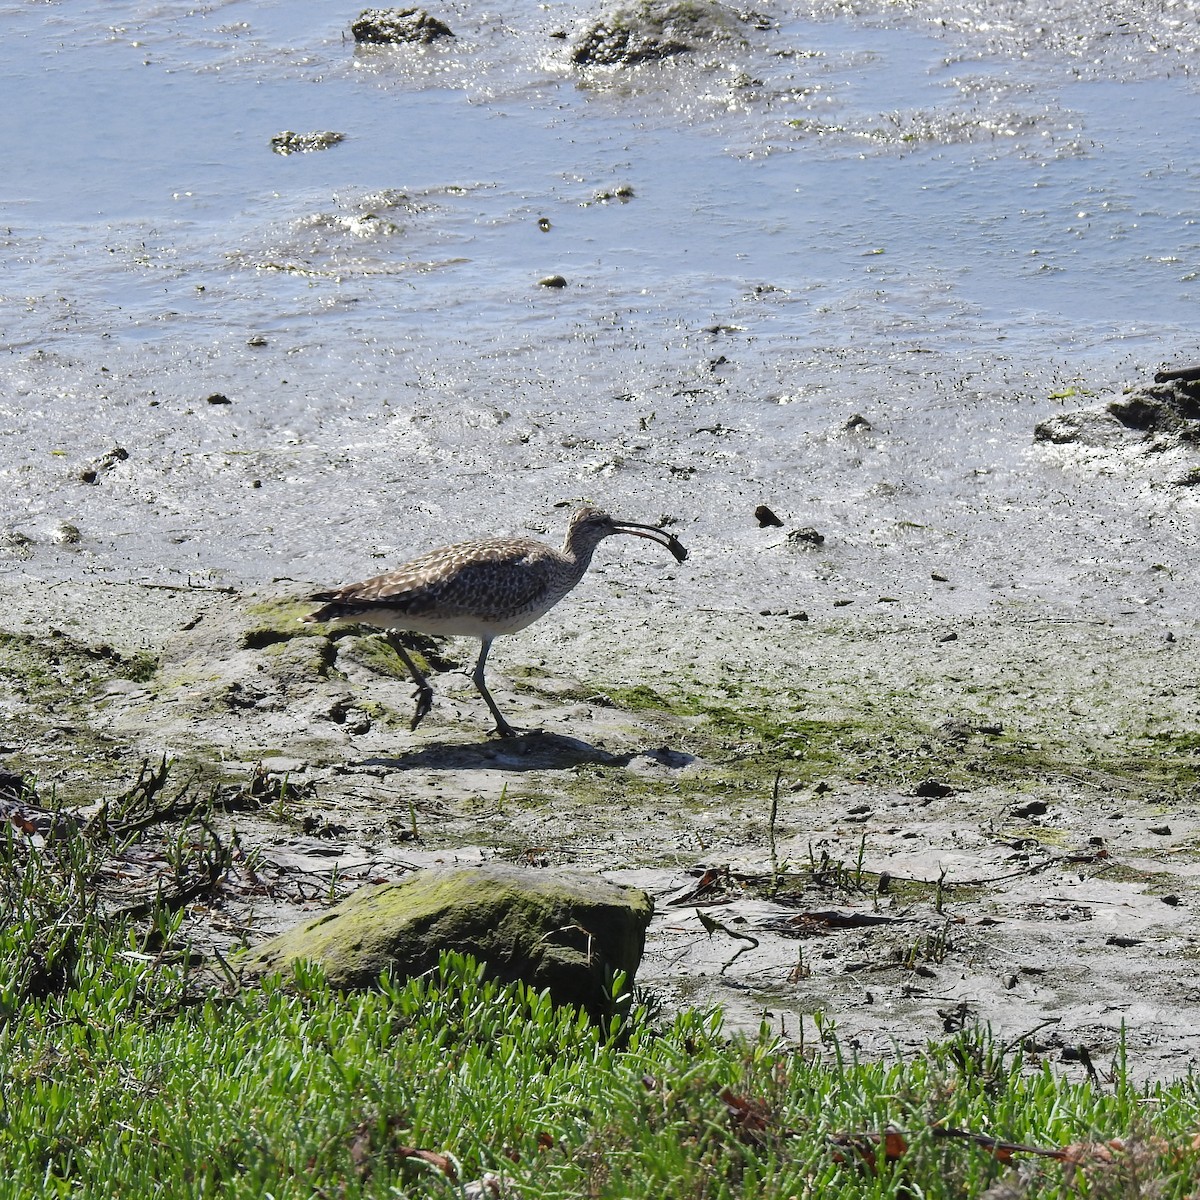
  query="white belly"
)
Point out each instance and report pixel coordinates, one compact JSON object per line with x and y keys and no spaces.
{"x":450,"y":625}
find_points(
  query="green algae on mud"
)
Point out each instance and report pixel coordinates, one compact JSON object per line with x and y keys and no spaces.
{"x":278,"y":620}
{"x":739,"y":727}
{"x":272,"y":621}
{"x":57,"y":665}
{"x":902,"y":750}
{"x":51,"y":686}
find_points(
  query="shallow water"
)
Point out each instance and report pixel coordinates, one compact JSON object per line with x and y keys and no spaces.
{"x":936,"y":226}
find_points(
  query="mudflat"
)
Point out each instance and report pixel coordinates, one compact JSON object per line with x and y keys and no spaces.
{"x":899,"y":823}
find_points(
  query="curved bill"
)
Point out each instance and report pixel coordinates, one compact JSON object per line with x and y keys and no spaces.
{"x":654,"y":534}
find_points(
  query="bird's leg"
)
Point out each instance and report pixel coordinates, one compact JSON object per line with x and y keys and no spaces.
{"x":503,"y":728}
{"x":424,"y":693}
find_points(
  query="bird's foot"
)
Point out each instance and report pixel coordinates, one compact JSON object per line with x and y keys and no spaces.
{"x":505,"y":730}
{"x":424,"y":698}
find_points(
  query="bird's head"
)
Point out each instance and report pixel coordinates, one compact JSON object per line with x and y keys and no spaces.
{"x":590,"y":525}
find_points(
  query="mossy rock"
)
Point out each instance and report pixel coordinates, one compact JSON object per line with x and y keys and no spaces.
{"x":563,"y":931}
{"x":647,"y":30}
{"x":390,"y":26}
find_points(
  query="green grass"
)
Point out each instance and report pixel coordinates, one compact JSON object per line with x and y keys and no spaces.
{"x":123,"y":1071}
{"x":122,"y":1087}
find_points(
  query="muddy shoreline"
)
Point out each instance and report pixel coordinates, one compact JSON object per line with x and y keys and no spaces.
{"x":999,"y":826}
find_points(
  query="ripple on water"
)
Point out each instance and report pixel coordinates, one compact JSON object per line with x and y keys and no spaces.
{"x":935,"y":225}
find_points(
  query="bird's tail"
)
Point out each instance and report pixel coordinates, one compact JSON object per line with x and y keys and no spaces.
{"x":327,"y":612}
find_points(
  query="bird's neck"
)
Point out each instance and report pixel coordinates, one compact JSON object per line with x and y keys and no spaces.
{"x":578,"y":553}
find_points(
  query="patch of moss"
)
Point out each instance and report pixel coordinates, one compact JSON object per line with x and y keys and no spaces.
{"x":748,"y":735}
{"x":277,"y":620}
{"x":309,"y":655}
{"x":527,"y":671}
{"x":384,"y":714}
{"x":1118,"y":872}
{"x":377,"y":653}
{"x":56,"y":668}
{"x":188,"y":679}
{"x":1171,"y":741}
{"x":642,"y":698}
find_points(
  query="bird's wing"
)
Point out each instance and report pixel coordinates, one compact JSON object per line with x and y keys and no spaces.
{"x":477,"y":578}
{"x":509,"y":582}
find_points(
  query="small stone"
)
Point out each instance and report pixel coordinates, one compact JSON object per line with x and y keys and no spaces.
{"x":66,"y":534}
{"x":857,"y":422}
{"x":552,"y":281}
{"x":1035,"y":808}
{"x":622,"y":192}
{"x":106,"y":463}
{"x":603,"y":45}
{"x":1160,"y":830}
{"x":625,"y":35}
{"x":949,"y":637}
{"x":765,"y":517}
{"x":805,"y":537}
{"x":305,"y":143}
{"x":933,"y":789}
{"x":218,"y":398}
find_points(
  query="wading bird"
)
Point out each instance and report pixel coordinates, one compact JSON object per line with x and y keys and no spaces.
{"x":478,"y":589}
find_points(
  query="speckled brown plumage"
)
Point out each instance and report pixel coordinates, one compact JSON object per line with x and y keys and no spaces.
{"x":480,"y":589}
